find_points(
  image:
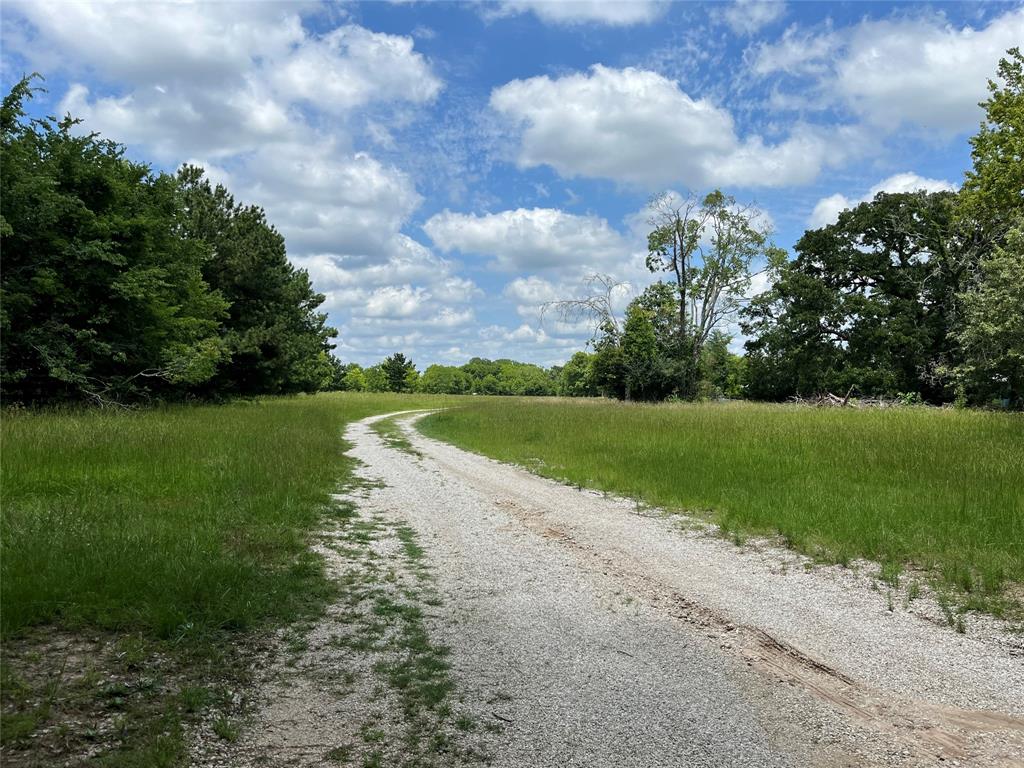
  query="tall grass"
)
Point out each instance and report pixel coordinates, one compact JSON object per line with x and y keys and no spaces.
{"x":943,"y":490}
{"x":174,"y":522}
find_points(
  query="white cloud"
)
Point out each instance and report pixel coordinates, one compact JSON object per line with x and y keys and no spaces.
{"x":200,"y":79}
{"x":143,"y":43}
{"x":324,"y":200}
{"x":532,"y":291}
{"x":213,"y":123}
{"x":637,"y":126}
{"x":351,"y":66}
{"x":537,"y":238}
{"x":797,"y":52}
{"x":827,"y":209}
{"x":394,"y":301}
{"x":745,"y":17}
{"x":619,"y":13}
{"x":918,"y":70}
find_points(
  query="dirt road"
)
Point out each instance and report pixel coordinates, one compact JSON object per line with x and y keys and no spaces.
{"x":579,"y":630}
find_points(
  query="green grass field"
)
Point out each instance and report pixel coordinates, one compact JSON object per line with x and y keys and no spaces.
{"x":184,"y":529}
{"x":166,"y":540}
{"x":942,"y":490}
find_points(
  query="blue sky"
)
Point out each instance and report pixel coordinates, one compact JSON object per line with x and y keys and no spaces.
{"x":443,"y":169}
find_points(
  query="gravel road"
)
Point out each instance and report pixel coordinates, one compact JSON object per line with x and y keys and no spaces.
{"x":585,"y":631}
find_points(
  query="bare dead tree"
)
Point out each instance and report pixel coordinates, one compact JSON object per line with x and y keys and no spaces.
{"x":598,"y":306}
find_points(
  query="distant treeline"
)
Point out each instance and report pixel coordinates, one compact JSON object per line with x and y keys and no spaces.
{"x":508,"y":377}
{"x":478,"y":376}
{"x":120,"y":284}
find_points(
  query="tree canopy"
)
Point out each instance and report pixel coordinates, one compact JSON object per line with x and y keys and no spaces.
{"x":121,"y":284}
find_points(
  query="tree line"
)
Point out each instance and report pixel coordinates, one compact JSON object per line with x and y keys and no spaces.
{"x":120,"y":284}
{"x":918,"y":294}
{"x":479,"y":376}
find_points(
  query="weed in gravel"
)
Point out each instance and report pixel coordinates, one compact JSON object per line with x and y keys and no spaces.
{"x":225,"y":729}
{"x":393,"y":435}
{"x":342,"y":754}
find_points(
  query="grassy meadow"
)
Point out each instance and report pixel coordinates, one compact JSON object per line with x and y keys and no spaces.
{"x":143,"y":552}
{"x":183,"y":529}
{"x":941,"y":490}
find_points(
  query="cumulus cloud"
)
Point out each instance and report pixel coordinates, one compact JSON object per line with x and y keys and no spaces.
{"x":323,"y":199}
{"x":351,"y":66}
{"x":142,"y":44}
{"x":745,"y":17}
{"x":918,"y":70}
{"x":209,"y":122}
{"x":532,"y":291}
{"x":618,"y":13}
{"x":199,"y":79}
{"x":537,"y":238}
{"x":636,"y":126}
{"x":827,"y":209}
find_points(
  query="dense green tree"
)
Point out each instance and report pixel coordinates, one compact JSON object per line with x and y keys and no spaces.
{"x":722,"y":373}
{"x":641,"y":360}
{"x":478,"y":368}
{"x":991,"y":202}
{"x":991,"y":197}
{"x":508,"y":377}
{"x":399,"y":373}
{"x":276,"y":339}
{"x":445,"y":380}
{"x":354,"y":380}
{"x":868,"y":303}
{"x":488,"y":385}
{"x":103,"y":297}
{"x":375,"y":380}
{"x":607,"y":372}
{"x":576,"y":377}
{"x":991,"y":331}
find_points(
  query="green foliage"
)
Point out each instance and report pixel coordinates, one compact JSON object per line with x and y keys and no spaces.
{"x":375,"y":379}
{"x":868,"y":303}
{"x":576,"y":378}
{"x":913,"y":293}
{"x":992,"y":330}
{"x":353,"y":380}
{"x":277,"y":341}
{"x":722,"y":373}
{"x":942,"y":489}
{"x":708,"y":246}
{"x":508,"y":377}
{"x":103,"y":298}
{"x":120,"y":284}
{"x":445,"y":380}
{"x":991,"y":195}
{"x":399,"y":374}
{"x":640,"y":359}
